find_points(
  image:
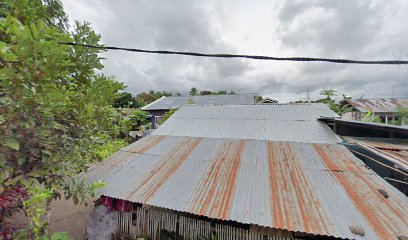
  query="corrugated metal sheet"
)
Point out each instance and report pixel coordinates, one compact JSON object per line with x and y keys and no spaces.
{"x":178,"y":101}
{"x":283,"y":122}
{"x":379,"y":105}
{"x":395,"y":150}
{"x":277,"y":112}
{"x":313,"y":188}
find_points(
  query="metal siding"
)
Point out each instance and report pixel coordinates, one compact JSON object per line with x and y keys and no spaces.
{"x":178,"y":101}
{"x":312,"y":131}
{"x":313,"y":188}
{"x":277,"y":112}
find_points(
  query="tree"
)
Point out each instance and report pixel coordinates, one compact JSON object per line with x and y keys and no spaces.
{"x":329,"y":93}
{"x":206,"y":92}
{"x":193,"y":91}
{"x":402,"y":114}
{"x":224,"y":92}
{"x":125,"y":100}
{"x":54,"y":112}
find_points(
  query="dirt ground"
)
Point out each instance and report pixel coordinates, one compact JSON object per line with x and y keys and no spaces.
{"x":65,"y":217}
{"x":71,"y":218}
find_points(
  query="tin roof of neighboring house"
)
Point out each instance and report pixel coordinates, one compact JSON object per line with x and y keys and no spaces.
{"x":277,"y":122}
{"x":395,"y":150}
{"x":379,"y":105}
{"x":319,"y":189}
{"x":175,"y":102}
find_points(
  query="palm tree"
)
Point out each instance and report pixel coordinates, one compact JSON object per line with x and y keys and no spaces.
{"x":329,"y":93}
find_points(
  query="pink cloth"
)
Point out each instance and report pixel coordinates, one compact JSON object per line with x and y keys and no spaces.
{"x":123,"y":206}
{"x":107,"y":201}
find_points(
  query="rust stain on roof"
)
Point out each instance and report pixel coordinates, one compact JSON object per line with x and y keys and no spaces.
{"x":217,"y":185}
{"x":287,"y":176}
{"x":389,"y":105}
{"x":165,"y":168}
{"x":379,"y":213}
{"x":147,"y":143}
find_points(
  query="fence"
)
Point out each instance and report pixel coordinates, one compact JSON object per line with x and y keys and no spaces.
{"x":148,"y":221}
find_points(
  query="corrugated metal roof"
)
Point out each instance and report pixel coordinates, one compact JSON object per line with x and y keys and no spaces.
{"x":178,"y":101}
{"x":379,"y":105}
{"x":281,"y":122}
{"x":313,"y":188}
{"x":395,"y":150}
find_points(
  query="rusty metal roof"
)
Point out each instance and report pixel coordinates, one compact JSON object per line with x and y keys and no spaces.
{"x":279,"y":122}
{"x":311,"y":188}
{"x":379,"y":105}
{"x":395,"y":150}
{"x":176,"y":102}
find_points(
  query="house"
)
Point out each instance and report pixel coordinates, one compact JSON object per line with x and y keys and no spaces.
{"x":383,"y":108}
{"x":162,"y":105}
{"x":249,"y":172}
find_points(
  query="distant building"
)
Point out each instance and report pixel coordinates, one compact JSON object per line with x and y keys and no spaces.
{"x":268,"y":101}
{"x":162,"y":105}
{"x":384,"y":108}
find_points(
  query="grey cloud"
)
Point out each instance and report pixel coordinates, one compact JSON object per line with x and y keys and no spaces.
{"x":353,"y":29}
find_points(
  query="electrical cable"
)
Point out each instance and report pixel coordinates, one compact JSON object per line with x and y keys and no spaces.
{"x":385,"y":165}
{"x":257,"y":57}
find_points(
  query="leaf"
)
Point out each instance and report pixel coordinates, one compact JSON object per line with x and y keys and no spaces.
{"x":2,"y":120}
{"x":46,"y":152}
{"x":21,"y":161}
{"x":11,"y":143}
{"x":98,"y":184}
{"x":60,"y":236}
{"x":3,"y":159}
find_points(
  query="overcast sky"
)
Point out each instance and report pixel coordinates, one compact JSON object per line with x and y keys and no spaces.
{"x":372,"y":30}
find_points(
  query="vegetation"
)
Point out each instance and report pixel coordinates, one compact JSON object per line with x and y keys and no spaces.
{"x":402,"y":114}
{"x":194,"y":92}
{"x":56,"y":112}
{"x":168,"y":114}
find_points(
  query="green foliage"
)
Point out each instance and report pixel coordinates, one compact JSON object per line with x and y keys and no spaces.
{"x":56,"y":112}
{"x":369,"y":117}
{"x":402,"y":114}
{"x":125,"y":100}
{"x":168,"y":114}
{"x":144,"y":98}
{"x":35,"y":208}
{"x":193,"y":91}
{"x":136,"y":120}
{"x":109,"y":148}
{"x":29,"y":11}
{"x":329,"y":93}
{"x":60,"y":236}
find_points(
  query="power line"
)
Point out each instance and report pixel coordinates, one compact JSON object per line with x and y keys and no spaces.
{"x":383,"y":164}
{"x":257,"y":57}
